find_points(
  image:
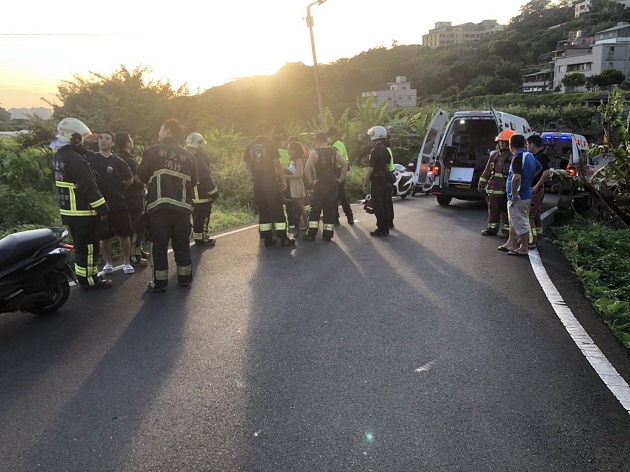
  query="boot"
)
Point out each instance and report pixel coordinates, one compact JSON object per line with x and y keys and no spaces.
{"x":285,"y":242}
{"x":270,"y":242}
{"x":488,"y":232}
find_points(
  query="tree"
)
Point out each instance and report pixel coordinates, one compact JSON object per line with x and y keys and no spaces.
{"x":574,"y":79}
{"x":5,"y":116}
{"x":124,"y":101}
{"x":609,"y":77}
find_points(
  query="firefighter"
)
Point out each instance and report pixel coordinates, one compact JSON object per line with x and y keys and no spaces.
{"x":335,"y":142}
{"x":170,"y":173}
{"x":263,"y":165}
{"x":206,"y":192}
{"x":494,"y":179}
{"x":83,"y":209}
{"x":325,"y":161}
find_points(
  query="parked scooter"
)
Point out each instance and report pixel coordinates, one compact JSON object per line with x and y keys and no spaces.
{"x":403,"y":186}
{"x":34,"y":272}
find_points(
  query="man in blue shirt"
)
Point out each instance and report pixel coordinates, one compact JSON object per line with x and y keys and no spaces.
{"x":519,"y":193}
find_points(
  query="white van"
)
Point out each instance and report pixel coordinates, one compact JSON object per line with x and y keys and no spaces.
{"x":455,"y":152}
{"x":564,"y":148}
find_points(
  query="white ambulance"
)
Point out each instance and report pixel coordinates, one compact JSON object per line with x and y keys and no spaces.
{"x":564,"y":149}
{"x":456,"y":149}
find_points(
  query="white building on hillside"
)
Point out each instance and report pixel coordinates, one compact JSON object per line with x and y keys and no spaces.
{"x":400,"y":94}
{"x":584,"y":6}
{"x":23,"y":113}
{"x":611,"y":50}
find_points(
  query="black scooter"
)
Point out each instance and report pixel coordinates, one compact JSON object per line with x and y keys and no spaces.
{"x":34,"y":272}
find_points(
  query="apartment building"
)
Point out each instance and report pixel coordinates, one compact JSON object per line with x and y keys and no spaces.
{"x":399,"y":94}
{"x":445,"y":33}
{"x":584,"y":6}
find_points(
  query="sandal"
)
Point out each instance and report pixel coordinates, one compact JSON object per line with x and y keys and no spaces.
{"x":108,"y":269}
{"x":128,"y":269}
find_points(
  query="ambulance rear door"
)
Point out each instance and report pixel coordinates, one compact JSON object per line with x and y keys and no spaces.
{"x":422,"y":178}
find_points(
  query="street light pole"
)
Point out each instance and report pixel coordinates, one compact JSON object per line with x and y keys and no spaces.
{"x":309,"y":23}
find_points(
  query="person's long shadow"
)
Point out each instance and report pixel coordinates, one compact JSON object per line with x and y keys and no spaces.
{"x":95,"y":427}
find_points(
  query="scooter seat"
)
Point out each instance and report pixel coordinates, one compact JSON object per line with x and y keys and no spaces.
{"x":20,"y":245}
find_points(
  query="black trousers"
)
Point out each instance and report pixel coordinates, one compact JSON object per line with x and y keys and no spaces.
{"x":135,"y":205}
{"x":343,"y":200}
{"x":269,"y":200}
{"x":379,"y":203}
{"x":86,"y":250}
{"x":323,"y":198}
{"x":201,"y":220}
{"x":174,"y":227}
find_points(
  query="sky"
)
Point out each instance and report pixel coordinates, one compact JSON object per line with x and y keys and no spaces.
{"x":204,"y":43}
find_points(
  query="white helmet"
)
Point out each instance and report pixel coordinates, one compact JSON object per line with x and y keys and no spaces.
{"x":72,"y":131}
{"x":195,"y":140}
{"x":377,"y":132}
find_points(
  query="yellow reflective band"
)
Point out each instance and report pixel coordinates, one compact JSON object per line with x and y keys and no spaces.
{"x":281,"y":226}
{"x":493,"y":225}
{"x":65,"y":184}
{"x":77,"y":212}
{"x":329,"y":227}
{"x":495,"y":192}
{"x":216,"y":190}
{"x":161,"y":275}
{"x":313,"y":224}
{"x":201,"y":200}
{"x":499,"y":175}
{"x":80,"y":271}
{"x":91,"y":268}
{"x":170,"y":201}
{"x":184,"y":270}
{"x":483,"y":179}
{"x":98,"y":203}
{"x":197,"y":235}
{"x":161,"y":172}
{"x":265,"y":227}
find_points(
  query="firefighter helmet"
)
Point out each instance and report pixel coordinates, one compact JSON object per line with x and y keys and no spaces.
{"x":505,"y":135}
{"x":72,"y":130}
{"x":195,"y":140}
{"x":377,"y":132}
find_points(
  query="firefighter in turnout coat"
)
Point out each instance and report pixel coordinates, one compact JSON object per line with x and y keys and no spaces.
{"x":82,"y":207}
{"x":494,"y":179}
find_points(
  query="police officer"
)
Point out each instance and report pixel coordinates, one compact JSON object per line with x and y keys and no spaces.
{"x":377,"y":175}
{"x":83,"y":209}
{"x":262,"y":161}
{"x":206,"y":192}
{"x":171,"y":175}
{"x":335,"y":142}
{"x":325,"y":161}
{"x":494,"y":179}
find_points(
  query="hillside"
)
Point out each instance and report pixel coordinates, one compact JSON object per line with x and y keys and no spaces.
{"x":492,"y":66}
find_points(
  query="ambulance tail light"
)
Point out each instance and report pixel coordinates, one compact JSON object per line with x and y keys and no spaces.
{"x":435,"y":170}
{"x":572,"y":171}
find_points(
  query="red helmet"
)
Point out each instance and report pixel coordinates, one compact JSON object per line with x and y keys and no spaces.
{"x":505,"y":135}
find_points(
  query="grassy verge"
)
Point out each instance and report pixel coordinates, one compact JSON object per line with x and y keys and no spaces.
{"x":600,"y":257}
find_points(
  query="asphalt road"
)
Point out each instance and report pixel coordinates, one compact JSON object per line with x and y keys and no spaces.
{"x":426,"y":351}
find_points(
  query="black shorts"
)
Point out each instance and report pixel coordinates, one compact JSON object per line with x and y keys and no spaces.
{"x":119,"y":223}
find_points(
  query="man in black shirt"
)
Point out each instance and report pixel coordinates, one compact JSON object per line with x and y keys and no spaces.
{"x":262,"y":160}
{"x":134,"y":197}
{"x":535,"y":146}
{"x":378,"y":176}
{"x":113,"y":177}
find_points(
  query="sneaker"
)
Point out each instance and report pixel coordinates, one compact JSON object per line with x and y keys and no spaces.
{"x":102,"y":283}
{"x":286,"y":242}
{"x":152,"y":287}
{"x":488,"y":232}
{"x":108,"y":269}
{"x":128,"y":269}
{"x":308,"y":237}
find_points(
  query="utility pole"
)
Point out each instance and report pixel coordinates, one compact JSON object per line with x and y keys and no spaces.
{"x":309,"y":23}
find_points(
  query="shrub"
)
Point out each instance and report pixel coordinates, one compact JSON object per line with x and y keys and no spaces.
{"x":27,"y":207}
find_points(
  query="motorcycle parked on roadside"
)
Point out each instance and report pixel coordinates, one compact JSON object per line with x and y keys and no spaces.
{"x":34,"y":272}
{"x":403,"y":186}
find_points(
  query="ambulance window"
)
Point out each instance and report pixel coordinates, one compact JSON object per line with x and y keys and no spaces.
{"x":428,"y":146}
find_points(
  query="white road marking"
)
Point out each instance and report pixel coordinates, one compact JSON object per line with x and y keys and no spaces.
{"x":425,"y":367}
{"x":609,"y":375}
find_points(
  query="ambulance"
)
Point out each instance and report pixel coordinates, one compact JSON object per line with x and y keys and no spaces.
{"x":564,"y":149}
{"x":456,"y":149}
